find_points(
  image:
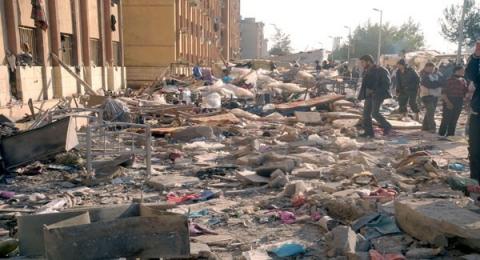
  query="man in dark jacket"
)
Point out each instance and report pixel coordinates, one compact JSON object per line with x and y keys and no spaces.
{"x":375,"y":89}
{"x":408,"y":83}
{"x":473,"y":74}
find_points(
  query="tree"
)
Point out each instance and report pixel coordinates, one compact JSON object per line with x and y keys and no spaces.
{"x":281,"y":43}
{"x":406,"y":37}
{"x":450,"y":23}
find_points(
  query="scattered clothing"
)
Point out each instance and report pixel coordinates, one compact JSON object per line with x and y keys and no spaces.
{"x":38,"y":14}
{"x":289,"y":250}
{"x":376,"y":225}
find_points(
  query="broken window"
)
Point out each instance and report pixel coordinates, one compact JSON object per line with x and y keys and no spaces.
{"x":67,"y":49}
{"x":117,"y":54}
{"x":95,"y":52}
{"x":28,"y":38}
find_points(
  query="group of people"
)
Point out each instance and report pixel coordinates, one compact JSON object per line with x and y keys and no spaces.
{"x":431,"y":86}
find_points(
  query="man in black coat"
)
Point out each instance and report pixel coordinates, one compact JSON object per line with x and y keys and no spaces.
{"x":375,"y":89}
{"x":408,"y":83}
{"x":473,"y":74}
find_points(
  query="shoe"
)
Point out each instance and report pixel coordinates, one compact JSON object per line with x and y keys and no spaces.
{"x":365,"y":135}
{"x":417,"y":117}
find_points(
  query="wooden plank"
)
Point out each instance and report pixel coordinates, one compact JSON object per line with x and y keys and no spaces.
{"x":340,"y":115}
{"x":227,"y":118}
{"x":310,"y":103}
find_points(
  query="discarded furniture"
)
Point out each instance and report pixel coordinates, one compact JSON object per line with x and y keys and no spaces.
{"x":113,"y":140}
{"x":38,"y":144}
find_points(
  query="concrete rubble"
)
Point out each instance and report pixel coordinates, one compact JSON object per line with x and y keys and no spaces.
{"x":234,"y":177}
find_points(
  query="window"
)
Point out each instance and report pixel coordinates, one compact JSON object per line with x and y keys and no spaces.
{"x":117,"y":54}
{"x":67,"y":49}
{"x":28,"y":37}
{"x":95,"y":52}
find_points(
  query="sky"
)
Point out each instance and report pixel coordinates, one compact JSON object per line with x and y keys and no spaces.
{"x":311,"y":22}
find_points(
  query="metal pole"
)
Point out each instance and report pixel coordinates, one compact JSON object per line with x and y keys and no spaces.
{"x":380,"y":37}
{"x":461,"y":35}
{"x":349,"y":43}
{"x":148,"y":148}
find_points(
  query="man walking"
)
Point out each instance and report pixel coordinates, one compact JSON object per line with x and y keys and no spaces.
{"x":473,"y":73}
{"x":408,"y":83}
{"x":453,"y":95}
{"x":375,"y":89}
{"x":430,"y":91}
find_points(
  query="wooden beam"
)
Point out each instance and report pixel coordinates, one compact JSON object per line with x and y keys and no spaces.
{"x":88,"y":88}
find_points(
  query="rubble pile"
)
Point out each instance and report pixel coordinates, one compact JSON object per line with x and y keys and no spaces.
{"x":258,"y":168}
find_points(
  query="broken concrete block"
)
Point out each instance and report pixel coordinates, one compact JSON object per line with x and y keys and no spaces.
{"x":348,"y":170}
{"x":214,"y":240}
{"x":199,"y":250}
{"x":194,"y":132}
{"x":341,"y":241}
{"x":266,"y":170}
{"x":259,"y":254}
{"x":278,"y":179}
{"x":166,"y":182}
{"x":390,"y":244}
{"x":435,"y":221}
{"x":423,"y":253}
{"x":308,"y":117}
{"x":294,"y":189}
{"x":345,"y":144}
{"x":250,"y":177}
{"x":313,"y":173}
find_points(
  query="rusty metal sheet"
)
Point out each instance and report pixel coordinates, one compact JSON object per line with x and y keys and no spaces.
{"x":160,"y":236}
{"x":30,"y":231}
{"x":38,"y":144}
{"x":133,"y":230}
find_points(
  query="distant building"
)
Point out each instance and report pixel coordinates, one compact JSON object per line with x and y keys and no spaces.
{"x":308,"y":57}
{"x":178,"y":34}
{"x":231,"y":29}
{"x":253,"y":43}
{"x":86,"y":35}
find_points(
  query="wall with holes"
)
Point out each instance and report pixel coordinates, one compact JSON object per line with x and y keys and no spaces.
{"x":4,"y":84}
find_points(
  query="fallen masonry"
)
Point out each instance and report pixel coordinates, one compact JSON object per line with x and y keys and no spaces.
{"x":256,"y":169}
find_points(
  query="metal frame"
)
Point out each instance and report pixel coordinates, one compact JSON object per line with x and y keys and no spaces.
{"x":97,"y":137}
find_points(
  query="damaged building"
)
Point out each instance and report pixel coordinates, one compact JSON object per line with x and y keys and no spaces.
{"x":85,"y":35}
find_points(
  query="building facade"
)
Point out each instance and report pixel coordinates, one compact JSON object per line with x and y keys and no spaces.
{"x":253,"y":43}
{"x":231,"y":29}
{"x":177,"y":34}
{"x":86,"y":35}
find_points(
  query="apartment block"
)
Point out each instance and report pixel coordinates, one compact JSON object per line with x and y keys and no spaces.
{"x":253,"y":43}
{"x":86,"y":35}
{"x":177,"y":34}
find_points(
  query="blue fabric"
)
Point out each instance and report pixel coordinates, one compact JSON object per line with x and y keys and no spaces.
{"x":377,"y":225}
{"x":289,"y":250}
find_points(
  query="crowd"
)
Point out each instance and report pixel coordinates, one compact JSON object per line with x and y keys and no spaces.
{"x":431,"y":86}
